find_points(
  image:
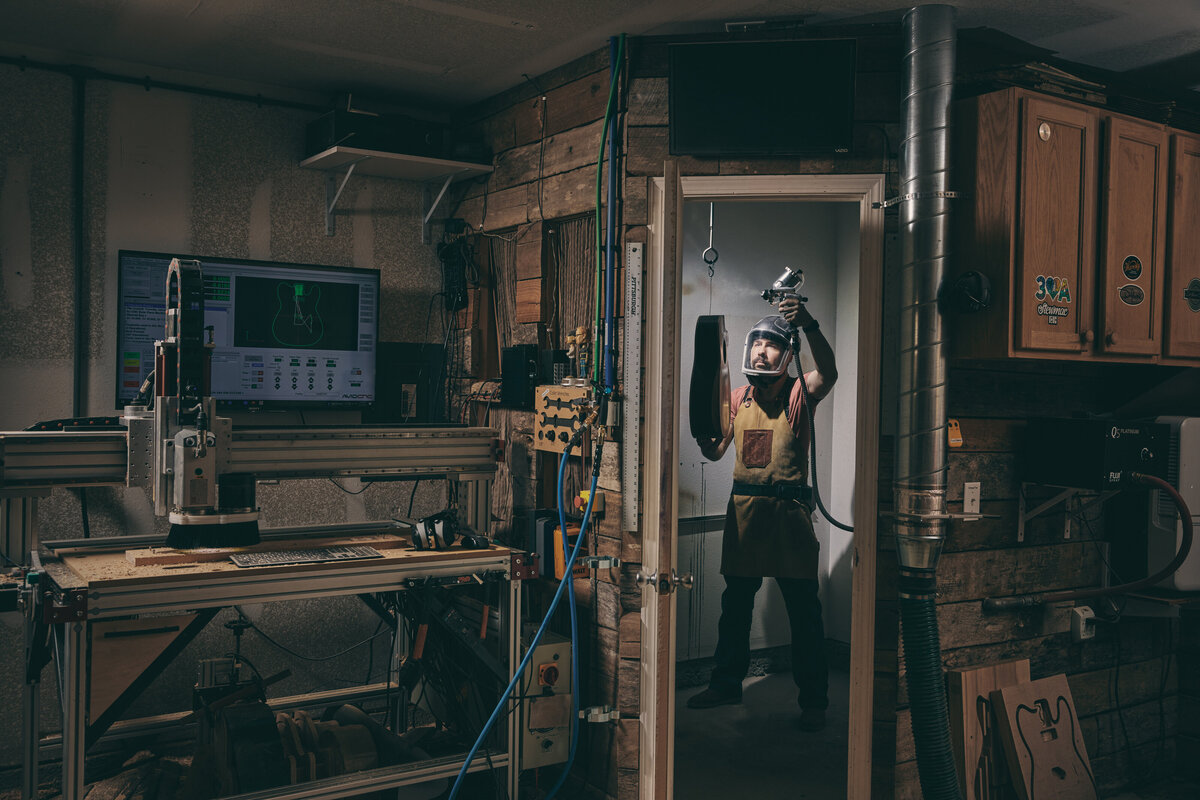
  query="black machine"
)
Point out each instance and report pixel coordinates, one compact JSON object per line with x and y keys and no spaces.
{"x":524,"y":367}
{"x":1093,"y":454}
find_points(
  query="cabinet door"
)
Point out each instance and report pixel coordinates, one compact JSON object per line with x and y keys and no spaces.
{"x":1056,"y":228}
{"x":1133,"y":237}
{"x":1182,"y":300}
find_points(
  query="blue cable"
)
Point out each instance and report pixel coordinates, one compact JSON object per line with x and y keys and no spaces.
{"x":562,"y":520}
{"x":566,"y":581}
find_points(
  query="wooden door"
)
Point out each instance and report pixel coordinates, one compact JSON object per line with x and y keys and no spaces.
{"x":1181,"y":304}
{"x":1132,"y":247}
{"x":1056,"y":228}
{"x":660,"y":478}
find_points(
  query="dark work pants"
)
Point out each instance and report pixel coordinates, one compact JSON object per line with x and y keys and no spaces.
{"x":809,"y":668}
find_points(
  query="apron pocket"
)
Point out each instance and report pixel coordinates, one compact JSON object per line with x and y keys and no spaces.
{"x":756,"y":447}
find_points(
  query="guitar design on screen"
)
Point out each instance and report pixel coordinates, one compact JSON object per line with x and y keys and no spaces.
{"x":297,"y":321}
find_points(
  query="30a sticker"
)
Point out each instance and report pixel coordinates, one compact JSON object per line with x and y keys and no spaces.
{"x":1131,"y":295}
{"x":1053,"y":288}
{"x":1050,"y":287}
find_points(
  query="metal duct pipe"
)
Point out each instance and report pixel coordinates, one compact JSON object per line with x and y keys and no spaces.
{"x":920,"y":485}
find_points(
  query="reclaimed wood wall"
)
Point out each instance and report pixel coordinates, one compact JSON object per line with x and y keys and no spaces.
{"x":545,"y":137}
{"x":1126,"y":681}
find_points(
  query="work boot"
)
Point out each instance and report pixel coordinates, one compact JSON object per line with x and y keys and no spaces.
{"x":812,"y":719}
{"x":713,"y":697}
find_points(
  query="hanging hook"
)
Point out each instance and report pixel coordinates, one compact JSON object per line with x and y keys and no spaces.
{"x":710,"y":255}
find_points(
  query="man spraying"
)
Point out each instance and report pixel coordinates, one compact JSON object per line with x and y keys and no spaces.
{"x":768,"y":524}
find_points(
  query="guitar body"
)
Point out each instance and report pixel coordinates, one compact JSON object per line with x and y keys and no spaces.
{"x":708,"y":405}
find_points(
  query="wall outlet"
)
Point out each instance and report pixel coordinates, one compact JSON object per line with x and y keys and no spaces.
{"x":1083,"y":623}
{"x":971,"y":494}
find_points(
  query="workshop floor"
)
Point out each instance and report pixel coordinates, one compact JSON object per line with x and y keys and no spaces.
{"x":721,"y":751}
{"x":756,"y":746}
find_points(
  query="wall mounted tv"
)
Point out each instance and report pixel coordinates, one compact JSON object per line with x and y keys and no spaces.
{"x":284,"y":335}
{"x":789,"y":98}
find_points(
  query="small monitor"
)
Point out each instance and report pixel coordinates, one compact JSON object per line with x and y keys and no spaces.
{"x":284,"y":335}
{"x":787,"y":98}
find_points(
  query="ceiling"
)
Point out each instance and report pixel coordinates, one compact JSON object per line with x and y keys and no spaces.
{"x":445,"y":54}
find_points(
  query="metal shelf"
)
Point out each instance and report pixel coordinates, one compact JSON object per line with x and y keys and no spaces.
{"x":382,"y":164}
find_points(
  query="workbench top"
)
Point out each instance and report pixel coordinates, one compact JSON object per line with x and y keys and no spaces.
{"x":101,"y":568}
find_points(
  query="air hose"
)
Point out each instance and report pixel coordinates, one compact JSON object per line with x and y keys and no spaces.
{"x":537,"y":637}
{"x":812,"y":439}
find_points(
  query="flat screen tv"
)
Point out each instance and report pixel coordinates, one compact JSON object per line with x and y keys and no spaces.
{"x":789,"y":98}
{"x":284,"y":335}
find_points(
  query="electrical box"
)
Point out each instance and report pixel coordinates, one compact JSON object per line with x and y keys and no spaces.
{"x":546,"y":702}
{"x":1093,"y":454}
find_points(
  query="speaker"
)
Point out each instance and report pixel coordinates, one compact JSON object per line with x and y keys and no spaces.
{"x":518,"y":376}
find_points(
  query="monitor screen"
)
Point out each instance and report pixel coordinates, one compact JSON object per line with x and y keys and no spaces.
{"x":284,"y":335}
{"x":762,"y":98}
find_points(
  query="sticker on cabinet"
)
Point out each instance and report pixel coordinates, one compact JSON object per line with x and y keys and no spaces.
{"x":1192,"y":294}
{"x":1132,"y":295}
{"x":1050,"y":287}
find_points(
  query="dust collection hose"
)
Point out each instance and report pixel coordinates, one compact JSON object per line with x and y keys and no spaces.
{"x":1185,"y":547}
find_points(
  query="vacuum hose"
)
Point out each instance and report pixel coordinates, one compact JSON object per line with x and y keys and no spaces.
{"x":922,"y":654}
{"x":1185,"y":547}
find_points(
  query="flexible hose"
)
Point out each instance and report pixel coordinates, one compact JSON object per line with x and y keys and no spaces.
{"x":537,"y":637}
{"x":931,"y":733}
{"x":1185,"y":547}
{"x":812,"y":439}
{"x":562,"y":521}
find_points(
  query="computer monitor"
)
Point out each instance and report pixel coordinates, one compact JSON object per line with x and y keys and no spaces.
{"x":284,"y":335}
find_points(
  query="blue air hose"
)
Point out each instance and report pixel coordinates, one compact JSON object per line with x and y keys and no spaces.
{"x":564,"y":583}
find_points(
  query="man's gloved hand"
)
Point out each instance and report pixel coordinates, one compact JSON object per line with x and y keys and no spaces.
{"x":792,"y":310}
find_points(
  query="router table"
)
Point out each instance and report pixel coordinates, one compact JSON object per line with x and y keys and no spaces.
{"x":95,"y":587}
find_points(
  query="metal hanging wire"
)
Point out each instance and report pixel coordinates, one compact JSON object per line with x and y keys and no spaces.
{"x":710,"y":256}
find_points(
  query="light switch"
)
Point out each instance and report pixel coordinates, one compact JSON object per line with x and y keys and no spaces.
{"x":971,"y":493}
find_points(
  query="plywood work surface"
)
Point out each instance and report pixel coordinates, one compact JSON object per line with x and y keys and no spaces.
{"x":113,"y":568}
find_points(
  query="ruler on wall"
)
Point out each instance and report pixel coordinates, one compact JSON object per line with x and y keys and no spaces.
{"x":631,"y":383}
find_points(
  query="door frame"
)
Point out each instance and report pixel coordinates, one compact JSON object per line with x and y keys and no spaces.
{"x":659,"y":481}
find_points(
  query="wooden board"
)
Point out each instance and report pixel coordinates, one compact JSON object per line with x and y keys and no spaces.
{"x":113,"y":569}
{"x":122,"y":650}
{"x":982,"y":771}
{"x":1043,"y":741}
{"x":168,"y":555}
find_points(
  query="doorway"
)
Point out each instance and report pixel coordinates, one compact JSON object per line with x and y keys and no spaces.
{"x":827,"y":226}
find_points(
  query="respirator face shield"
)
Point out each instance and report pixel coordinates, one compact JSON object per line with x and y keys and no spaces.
{"x":767,"y":351}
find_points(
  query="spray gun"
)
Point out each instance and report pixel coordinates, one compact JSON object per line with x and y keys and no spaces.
{"x":786,"y":285}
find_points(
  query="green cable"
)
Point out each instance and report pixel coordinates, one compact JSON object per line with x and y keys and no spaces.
{"x":612,"y":91}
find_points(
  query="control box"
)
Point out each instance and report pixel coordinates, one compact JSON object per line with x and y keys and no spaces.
{"x":1092,"y":454}
{"x":558,"y":412}
{"x":546,"y":701}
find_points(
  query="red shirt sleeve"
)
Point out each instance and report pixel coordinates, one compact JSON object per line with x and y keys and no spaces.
{"x":797,"y":416}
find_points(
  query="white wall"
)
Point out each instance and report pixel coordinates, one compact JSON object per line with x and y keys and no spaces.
{"x":755,"y":241}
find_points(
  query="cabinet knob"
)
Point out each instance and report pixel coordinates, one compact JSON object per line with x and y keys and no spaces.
{"x":1087,"y":337}
{"x":1110,"y":338}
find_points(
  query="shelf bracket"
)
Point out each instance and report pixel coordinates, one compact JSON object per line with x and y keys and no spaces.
{"x":1067,"y":496}
{"x":333,"y":192}
{"x":426,"y":234}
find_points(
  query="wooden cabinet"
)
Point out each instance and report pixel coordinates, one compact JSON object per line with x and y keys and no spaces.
{"x":1132,"y":238}
{"x":1056,"y":226}
{"x":1067,"y":215}
{"x":1181,"y":303}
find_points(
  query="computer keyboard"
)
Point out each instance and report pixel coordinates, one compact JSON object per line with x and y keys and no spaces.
{"x":315,"y":555}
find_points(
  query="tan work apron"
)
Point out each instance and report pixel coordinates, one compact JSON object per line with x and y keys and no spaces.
{"x":768,"y":537}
